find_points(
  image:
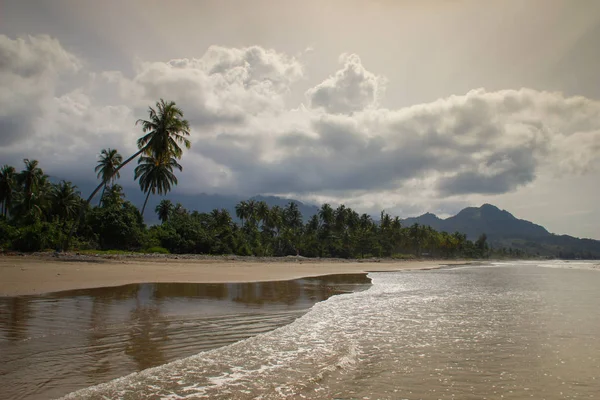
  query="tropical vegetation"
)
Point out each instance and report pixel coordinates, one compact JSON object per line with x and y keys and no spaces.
{"x":38,"y":214}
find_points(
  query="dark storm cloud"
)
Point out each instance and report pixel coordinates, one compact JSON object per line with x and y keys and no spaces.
{"x":30,"y":68}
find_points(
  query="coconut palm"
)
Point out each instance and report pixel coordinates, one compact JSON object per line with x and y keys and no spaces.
{"x":164,"y":210}
{"x":65,"y":200}
{"x":113,"y":196}
{"x":7,"y":188}
{"x":34,"y":189}
{"x":241,"y":211}
{"x":326,"y":214}
{"x":292,"y":215}
{"x":252,"y":206}
{"x":107,"y":168}
{"x":164,"y":132}
{"x":262,"y":211}
{"x":156,"y":175}
{"x":31,"y":176}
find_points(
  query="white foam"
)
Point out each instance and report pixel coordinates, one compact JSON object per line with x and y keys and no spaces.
{"x":336,"y":338}
{"x":309,"y":348}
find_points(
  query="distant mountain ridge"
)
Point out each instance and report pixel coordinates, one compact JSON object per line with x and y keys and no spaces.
{"x":488,"y":219}
{"x":505,"y":230}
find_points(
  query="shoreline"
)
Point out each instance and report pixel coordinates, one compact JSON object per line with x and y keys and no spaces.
{"x":44,"y":273}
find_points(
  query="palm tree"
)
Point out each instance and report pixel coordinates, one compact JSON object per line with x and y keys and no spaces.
{"x":65,"y":200}
{"x":164,"y":210}
{"x":241,"y":211}
{"x":292,"y":216}
{"x":164,"y":131}
{"x":107,"y":168}
{"x":156,"y":175}
{"x":7,"y":187}
{"x":262,"y":211}
{"x":326,"y":215}
{"x":34,"y":184}
{"x":252,"y":206}
{"x":114,"y":196}
{"x":340,"y":217}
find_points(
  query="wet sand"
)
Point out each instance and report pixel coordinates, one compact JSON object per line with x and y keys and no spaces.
{"x":26,"y":275}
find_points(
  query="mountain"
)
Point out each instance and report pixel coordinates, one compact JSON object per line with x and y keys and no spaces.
{"x":488,"y":219}
{"x":505,"y":230}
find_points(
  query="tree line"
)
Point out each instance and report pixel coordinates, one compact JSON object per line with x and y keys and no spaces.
{"x":37,"y":214}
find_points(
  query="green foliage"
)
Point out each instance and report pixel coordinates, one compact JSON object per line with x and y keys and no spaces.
{"x":37,"y":215}
{"x":93,"y":252}
{"x":37,"y":236}
{"x":117,"y":227}
{"x":156,"y":250}
{"x":403,"y":256}
{"x":155,"y":175}
{"x":8,"y":233}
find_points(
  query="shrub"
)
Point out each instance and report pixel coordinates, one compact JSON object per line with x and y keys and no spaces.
{"x":37,"y":236}
{"x":399,"y":256}
{"x":156,"y":250}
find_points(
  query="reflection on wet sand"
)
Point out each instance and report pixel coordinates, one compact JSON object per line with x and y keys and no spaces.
{"x":56,"y":343}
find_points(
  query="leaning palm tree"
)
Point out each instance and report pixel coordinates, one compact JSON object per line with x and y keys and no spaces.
{"x":7,"y":188}
{"x":107,"y":168}
{"x":164,"y":210}
{"x":164,"y":132}
{"x":156,"y":175}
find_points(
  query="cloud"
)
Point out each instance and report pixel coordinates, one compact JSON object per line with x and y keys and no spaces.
{"x":478,"y":143}
{"x":224,"y":86}
{"x":350,"y":89}
{"x":246,"y":139}
{"x":499,"y":173}
{"x":30,"y":69}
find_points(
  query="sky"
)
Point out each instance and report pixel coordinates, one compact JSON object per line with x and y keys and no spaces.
{"x":407,"y":106}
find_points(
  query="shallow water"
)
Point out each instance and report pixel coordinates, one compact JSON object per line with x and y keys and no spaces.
{"x":56,"y":343}
{"x":505,"y":331}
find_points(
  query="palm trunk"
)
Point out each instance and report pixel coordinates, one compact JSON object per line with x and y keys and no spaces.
{"x":102,"y":195}
{"x":144,"y":206}
{"x":89,"y":199}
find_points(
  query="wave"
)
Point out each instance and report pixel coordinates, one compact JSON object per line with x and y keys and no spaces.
{"x":284,"y":362}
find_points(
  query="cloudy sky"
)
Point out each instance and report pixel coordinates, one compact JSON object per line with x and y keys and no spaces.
{"x":408,"y":106}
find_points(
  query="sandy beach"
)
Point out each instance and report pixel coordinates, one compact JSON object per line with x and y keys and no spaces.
{"x":26,"y":275}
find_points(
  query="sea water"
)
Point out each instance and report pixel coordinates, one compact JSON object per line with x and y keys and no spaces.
{"x":56,"y":343}
{"x":511,"y":330}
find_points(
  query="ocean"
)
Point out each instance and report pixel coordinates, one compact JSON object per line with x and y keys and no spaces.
{"x":510,"y":330}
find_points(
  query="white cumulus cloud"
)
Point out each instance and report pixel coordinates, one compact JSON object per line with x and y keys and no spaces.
{"x":350,"y":89}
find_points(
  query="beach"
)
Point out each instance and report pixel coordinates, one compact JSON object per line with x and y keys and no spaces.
{"x":509,"y":329}
{"x":37,"y":274}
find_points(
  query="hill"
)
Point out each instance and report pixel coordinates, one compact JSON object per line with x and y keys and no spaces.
{"x":505,"y":230}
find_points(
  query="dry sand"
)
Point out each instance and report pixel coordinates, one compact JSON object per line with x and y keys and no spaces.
{"x":25,"y":275}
